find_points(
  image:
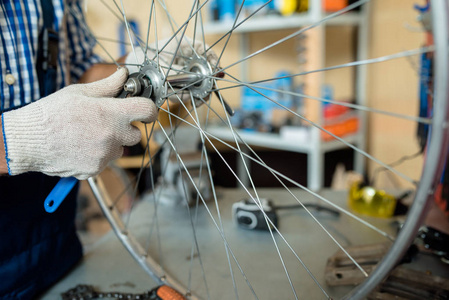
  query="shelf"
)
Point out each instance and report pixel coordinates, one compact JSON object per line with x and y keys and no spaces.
{"x":262,"y":139}
{"x":275,"y":141}
{"x":332,"y":145}
{"x":310,"y":141}
{"x":275,"y":22}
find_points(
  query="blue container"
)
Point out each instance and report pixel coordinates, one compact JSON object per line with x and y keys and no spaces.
{"x":226,"y":10}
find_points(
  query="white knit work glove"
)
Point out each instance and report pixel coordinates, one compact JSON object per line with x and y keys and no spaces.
{"x":75,"y":131}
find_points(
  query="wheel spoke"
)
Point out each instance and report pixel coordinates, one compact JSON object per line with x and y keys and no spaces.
{"x":130,"y":29}
{"x":229,"y":36}
{"x":299,"y":202}
{"x":196,"y":207}
{"x":155,"y":219}
{"x":192,"y":184}
{"x":74,"y":13}
{"x":182,"y":27}
{"x":299,"y":32}
{"x":262,"y":211}
{"x":209,"y":136}
{"x":214,"y":194}
{"x":236,"y":26}
{"x":364,"y":153}
{"x":195,"y":23}
{"x":149,"y":26}
{"x":213,"y":220}
{"x":324,"y":100}
{"x":406,"y":54}
{"x":203,"y":36}
{"x":256,"y":198}
{"x":186,"y":198}
{"x":179,"y":44}
{"x":172,"y":23}
{"x":254,"y":84}
{"x":127,"y":29}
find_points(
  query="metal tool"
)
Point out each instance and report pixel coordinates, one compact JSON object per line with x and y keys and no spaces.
{"x":88,"y":292}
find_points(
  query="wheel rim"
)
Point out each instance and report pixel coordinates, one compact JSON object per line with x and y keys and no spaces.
{"x":436,"y":156}
{"x":431,"y":171}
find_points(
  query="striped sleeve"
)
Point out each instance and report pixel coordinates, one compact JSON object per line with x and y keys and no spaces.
{"x":81,"y":42}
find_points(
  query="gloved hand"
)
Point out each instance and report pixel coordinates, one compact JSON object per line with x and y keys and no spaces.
{"x":75,"y":131}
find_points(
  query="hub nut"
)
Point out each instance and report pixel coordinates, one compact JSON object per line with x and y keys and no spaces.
{"x":133,"y":86}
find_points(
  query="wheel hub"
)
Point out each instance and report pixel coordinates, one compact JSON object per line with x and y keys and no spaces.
{"x":151,"y":82}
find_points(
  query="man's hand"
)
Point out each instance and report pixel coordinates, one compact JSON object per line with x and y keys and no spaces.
{"x":75,"y":131}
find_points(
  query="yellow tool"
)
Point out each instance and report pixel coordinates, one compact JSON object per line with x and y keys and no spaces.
{"x":370,"y":201}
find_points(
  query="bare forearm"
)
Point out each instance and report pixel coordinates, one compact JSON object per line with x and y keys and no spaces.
{"x":3,"y":165}
{"x":97,"y":72}
{"x":100,"y":71}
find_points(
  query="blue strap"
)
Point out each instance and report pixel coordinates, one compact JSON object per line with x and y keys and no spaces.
{"x":47,"y":58}
{"x":58,"y":194}
{"x":48,"y":13}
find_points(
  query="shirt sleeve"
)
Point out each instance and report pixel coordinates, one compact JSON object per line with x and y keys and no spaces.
{"x":81,"y":41}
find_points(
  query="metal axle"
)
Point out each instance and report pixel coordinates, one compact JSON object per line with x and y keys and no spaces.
{"x":181,"y":80}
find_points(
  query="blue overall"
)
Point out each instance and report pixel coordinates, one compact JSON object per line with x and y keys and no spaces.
{"x":37,"y":248}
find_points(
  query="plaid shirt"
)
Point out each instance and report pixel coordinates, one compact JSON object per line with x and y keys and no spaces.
{"x":21,"y":22}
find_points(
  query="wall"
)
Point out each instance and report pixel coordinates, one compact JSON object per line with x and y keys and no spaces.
{"x":391,"y":85}
{"x":104,"y":24}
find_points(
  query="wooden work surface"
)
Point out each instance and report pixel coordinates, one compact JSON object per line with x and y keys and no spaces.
{"x":108,"y":266}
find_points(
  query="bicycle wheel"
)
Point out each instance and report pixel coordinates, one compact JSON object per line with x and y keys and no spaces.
{"x":179,"y":247}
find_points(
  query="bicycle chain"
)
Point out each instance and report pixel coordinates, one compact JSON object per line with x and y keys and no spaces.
{"x":88,"y":292}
